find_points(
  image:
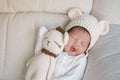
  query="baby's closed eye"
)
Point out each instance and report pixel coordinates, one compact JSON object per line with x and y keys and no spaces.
{"x":83,"y":43}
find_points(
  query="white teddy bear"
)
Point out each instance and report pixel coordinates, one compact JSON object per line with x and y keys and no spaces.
{"x":41,"y":66}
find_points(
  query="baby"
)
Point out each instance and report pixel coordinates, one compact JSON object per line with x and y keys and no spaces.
{"x":79,"y":40}
{"x":84,"y":30}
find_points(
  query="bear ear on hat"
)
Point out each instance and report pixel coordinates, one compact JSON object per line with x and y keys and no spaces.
{"x":104,"y":27}
{"x":74,"y":12}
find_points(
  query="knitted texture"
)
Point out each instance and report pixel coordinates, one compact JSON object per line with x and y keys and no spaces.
{"x":90,"y":23}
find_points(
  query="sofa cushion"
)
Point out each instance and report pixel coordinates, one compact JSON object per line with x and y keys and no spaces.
{"x":56,"y":6}
{"x":108,"y":10}
{"x":18,"y":34}
{"x":104,"y":58}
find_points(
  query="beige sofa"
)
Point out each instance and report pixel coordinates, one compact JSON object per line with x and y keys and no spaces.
{"x":19,"y":23}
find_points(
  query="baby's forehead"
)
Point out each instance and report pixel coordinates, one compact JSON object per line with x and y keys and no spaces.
{"x":80,"y":28}
{"x":80,"y":32}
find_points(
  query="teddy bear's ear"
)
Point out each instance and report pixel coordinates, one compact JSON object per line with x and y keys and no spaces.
{"x":66,"y":38}
{"x":74,"y":12}
{"x":104,"y":27}
{"x":40,"y":36}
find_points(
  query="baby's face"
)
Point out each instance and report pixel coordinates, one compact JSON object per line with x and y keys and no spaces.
{"x":78,"y":42}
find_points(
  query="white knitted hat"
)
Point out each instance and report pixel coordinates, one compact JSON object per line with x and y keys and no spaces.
{"x":89,"y":22}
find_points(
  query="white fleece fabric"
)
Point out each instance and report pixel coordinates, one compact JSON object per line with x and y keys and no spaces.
{"x":69,"y":67}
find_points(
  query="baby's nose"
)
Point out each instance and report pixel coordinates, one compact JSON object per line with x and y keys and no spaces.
{"x":76,"y":47}
{"x":77,"y":44}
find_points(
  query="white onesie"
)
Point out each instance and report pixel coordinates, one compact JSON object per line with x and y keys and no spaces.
{"x":69,"y":67}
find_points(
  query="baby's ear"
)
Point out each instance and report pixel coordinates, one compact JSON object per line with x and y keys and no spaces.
{"x":66,"y":38}
{"x":74,"y":12}
{"x":104,"y":27}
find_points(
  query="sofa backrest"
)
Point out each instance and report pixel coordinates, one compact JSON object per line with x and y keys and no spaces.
{"x":54,"y":6}
{"x":107,"y":9}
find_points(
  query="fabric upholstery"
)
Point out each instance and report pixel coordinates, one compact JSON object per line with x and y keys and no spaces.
{"x":107,"y":9}
{"x":104,"y":58}
{"x":18,"y":34}
{"x":55,"y":6}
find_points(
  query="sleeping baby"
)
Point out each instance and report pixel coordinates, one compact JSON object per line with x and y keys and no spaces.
{"x":84,"y":30}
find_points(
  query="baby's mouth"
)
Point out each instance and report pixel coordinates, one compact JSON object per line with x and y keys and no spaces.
{"x":72,"y":49}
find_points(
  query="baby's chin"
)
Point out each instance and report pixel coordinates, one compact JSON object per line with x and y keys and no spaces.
{"x":73,"y":54}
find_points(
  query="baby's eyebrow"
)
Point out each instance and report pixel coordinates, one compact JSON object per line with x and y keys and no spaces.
{"x":73,"y":36}
{"x":85,"y":43}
